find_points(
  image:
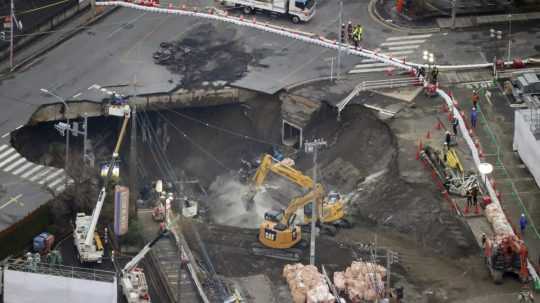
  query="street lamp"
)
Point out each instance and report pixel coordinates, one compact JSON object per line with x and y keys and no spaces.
{"x":430,"y":59}
{"x":495,"y":35}
{"x":62,"y":127}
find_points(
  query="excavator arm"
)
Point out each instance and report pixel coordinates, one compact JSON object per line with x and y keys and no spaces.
{"x":268,"y":164}
{"x":316,"y":195}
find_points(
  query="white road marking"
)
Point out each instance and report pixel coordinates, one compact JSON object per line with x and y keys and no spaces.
{"x":403,"y":42}
{"x":19,"y":126}
{"x":404,"y":47}
{"x":9,"y":151}
{"x":55,"y":182}
{"x":33,"y":170}
{"x":369,"y":70}
{"x":56,"y":173}
{"x":40,"y":174}
{"x":9,"y":159}
{"x":409,"y":37}
{"x":22,"y":168}
{"x":392,"y":54}
{"x":60,"y":188}
{"x":77,"y":95}
{"x":14,"y":164}
{"x":370,"y":65}
{"x":5,"y":135}
{"x":3,"y":147}
{"x":11,"y":200}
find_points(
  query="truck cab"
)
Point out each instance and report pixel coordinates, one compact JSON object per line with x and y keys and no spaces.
{"x":301,"y":10}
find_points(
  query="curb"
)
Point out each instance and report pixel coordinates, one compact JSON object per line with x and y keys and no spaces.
{"x":5,"y":72}
{"x":374,"y":14}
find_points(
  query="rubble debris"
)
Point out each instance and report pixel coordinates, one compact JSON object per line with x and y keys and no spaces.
{"x":362,"y":281}
{"x":206,"y":54}
{"x":307,"y":284}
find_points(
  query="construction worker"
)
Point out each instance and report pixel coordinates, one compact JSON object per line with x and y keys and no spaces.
{"x":357,"y":35}
{"x":343,"y":37}
{"x":434,"y":75}
{"x":522,"y":223}
{"x":475,"y":98}
{"x":474,"y":196}
{"x":350,"y":31}
{"x":447,"y":138}
{"x":469,"y":200}
{"x":455,"y":123}
{"x":474,"y":117}
{"x":360,"y":32}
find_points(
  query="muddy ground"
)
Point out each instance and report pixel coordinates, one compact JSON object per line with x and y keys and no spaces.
{"x":391,"y":200}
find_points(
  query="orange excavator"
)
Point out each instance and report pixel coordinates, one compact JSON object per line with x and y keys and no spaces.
{"x":506,"y":254}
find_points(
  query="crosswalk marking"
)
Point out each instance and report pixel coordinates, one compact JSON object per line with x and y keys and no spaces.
{"x":403,"y":42}
{"x":370,"y":65}
{"x":14,"y":164}
{"x":9,"y":159}
{"x":369,"y":70}
{"x":30,"y":172}
{"x":55,"y":182}
{"x":56,"y":173}
{"x":394,"y":47}
{"x":391,"y":54}
{"x":404,"y":47}
{"x":409,"y":37}
{"x":42,"y":173}
{"x":22,"y":168}
{"x":9,"y":151}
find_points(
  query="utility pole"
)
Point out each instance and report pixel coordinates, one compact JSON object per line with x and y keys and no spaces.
{"x":12,"y":18}
{"x":454,"y":14}
{"x":338,"y":69}
{"x":92,"y":7}
{"x":313,"y":147}
{"x":133,"y":163}
{"x":509,"y":36}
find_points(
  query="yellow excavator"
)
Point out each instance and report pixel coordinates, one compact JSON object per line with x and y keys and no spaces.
{"x":278,"y":236}
{"x":331,"y":209}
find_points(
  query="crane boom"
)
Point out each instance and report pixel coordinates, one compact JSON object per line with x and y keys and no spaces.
{"x":131,"y":264}
{"x":103,"y":191}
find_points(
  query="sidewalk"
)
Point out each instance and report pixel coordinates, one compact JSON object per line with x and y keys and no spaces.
{"x":518,"y":190}
{"x":59,"y":35}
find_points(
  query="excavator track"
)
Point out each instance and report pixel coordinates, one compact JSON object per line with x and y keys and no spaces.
{"x":290,"y":254}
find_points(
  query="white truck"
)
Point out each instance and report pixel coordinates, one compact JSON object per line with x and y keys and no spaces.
{"x":86,"y":240}
{"x":297,"y":10}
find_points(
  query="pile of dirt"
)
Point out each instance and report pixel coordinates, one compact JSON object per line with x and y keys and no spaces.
{"x":206,"y":54}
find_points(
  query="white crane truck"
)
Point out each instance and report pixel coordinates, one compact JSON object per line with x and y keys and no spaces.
{"x":85,"y":238}
{"x":133,"y":280}
{"x":297,"y":10}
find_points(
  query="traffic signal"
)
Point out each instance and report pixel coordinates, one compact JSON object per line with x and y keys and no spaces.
{"x":3,"y":36}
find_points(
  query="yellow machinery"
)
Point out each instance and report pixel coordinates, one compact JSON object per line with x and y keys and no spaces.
{"x":331,"y":209}
{"x":278,"y":234}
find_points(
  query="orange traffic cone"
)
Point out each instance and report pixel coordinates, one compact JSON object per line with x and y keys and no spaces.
{"x":428,"y":135}
{"x":466,"y":211}
{"x":477,"y":210}
{"x":439,"y":125}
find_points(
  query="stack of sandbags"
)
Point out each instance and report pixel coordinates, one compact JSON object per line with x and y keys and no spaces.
{"x":498,"y":221}
{"x":361,"y":281}
{"x":307,"y":284}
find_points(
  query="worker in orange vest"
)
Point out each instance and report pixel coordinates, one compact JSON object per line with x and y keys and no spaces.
{"x":475,"y":98}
